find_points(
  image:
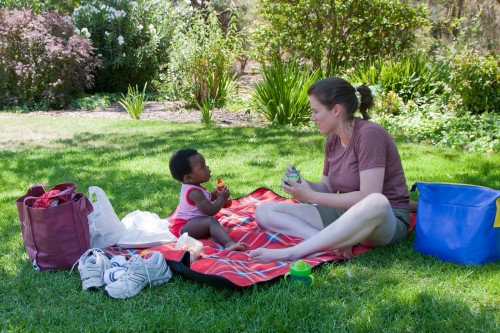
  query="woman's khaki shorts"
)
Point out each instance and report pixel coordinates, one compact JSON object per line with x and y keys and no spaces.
{"x":330,"y":215}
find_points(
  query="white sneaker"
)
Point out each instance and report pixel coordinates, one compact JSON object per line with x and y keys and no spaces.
{"x":118,"y":268}
{"x":91,"y":266}
{"x":113,"y":274}
{"x":118,"y":260}
{"x":139,"y":273}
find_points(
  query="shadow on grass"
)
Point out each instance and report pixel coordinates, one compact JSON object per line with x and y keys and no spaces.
{"x":132,"y":167}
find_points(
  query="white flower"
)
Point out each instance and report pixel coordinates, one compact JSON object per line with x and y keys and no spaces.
{"x":151,"y":27}
{"x":121,"y":40}
{"x":134,"y":4}
{"x":123,"y":55}
{"x":107,"y":33}
{"x":140,"y":27}
{"x":85,"y":32}
{"x":76,"y":31}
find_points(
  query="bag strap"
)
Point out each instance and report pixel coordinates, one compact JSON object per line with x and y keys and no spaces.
{"x":67,"y":190}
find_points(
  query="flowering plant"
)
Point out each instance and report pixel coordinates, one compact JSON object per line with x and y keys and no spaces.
{"x":132,"y":38}
{"x":42,"y":60}
{"x":201,"y":58}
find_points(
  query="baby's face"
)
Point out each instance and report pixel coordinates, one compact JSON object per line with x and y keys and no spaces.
{"x":200,"y":172}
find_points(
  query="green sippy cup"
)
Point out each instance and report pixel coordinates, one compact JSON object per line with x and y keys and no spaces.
{"x":300,"y":271}
{"x":293,"y":174}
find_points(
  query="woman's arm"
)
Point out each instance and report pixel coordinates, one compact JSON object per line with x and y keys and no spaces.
{"x":322,"y":186}
{"x":371,"y":181}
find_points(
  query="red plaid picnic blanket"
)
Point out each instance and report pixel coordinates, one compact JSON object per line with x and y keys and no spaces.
{"x":232,"y":268}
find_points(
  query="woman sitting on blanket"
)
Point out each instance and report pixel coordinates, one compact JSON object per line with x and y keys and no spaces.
{"x":362,"y":198}
{"x":197,"y":206}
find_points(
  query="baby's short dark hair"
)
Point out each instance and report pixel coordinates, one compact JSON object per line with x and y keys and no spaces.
{"x":179,"y":163}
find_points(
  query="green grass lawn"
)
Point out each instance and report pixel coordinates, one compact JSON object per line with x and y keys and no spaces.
{"x":388,"y":289}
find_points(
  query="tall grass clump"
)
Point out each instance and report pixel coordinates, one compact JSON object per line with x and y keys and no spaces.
{"x":42,"y":60}
{"x":281,"y":97}
{"x":134,"y":101}
{"x":201,"y":57}
{"x":410,"y":76}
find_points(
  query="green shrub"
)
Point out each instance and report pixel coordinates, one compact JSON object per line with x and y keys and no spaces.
{"x":95,"y":101}
{"x":37,"y":6}
{"x":42,"y":60}
{"x":201,"y":58}
{"x":438,"y":124}
{"x":333,"y":33}
{"x":281,"y":97}
{"x":132,"y":38}
{"x":476,"y":78}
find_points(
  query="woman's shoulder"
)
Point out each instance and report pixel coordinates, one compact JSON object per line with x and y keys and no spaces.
{"x":370,"y":133}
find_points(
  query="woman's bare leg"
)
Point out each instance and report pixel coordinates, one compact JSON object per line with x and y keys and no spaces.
{"x":298,"y":220}
{"x":370,"y":222}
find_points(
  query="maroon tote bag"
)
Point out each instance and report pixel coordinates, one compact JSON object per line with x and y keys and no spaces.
{"x":55,"y":237}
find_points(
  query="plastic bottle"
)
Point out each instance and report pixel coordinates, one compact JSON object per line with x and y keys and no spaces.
{"x":300,"y":271}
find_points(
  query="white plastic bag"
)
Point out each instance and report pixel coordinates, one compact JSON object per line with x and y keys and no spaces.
{"x":145,"y":229}
{"x":188,"y":243}
{"x":105,"y":226}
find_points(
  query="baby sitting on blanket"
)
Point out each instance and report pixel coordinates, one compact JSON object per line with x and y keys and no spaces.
{"x":196,"y":208}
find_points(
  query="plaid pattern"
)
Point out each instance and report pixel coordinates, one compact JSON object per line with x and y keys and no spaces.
{"x":233,"y":267}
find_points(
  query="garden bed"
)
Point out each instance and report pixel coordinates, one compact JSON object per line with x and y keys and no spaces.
{"x":165,"y":111}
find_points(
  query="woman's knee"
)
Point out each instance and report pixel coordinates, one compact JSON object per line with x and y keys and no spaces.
{"x":377,"y":203}
{"x":381,"y":220}
{"x":262,"y":213}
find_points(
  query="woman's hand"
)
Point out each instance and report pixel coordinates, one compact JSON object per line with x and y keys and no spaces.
{"x":299,"y":190}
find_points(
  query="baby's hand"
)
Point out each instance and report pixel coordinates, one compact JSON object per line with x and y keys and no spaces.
{"x":224,"y":192}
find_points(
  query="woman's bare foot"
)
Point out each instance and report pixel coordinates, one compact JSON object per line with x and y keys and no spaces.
{"x":236,"y":247}
{"x":345,"y":252}
{"x":263,"y":255}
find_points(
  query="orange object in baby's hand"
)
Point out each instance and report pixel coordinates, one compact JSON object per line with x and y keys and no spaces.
{"x":220,"y":186}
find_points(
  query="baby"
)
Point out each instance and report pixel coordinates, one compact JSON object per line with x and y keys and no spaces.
{"x":197,"y":206}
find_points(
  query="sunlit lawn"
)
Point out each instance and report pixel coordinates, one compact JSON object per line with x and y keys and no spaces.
{"x":389,"y":289}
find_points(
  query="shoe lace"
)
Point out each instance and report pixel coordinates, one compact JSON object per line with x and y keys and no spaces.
{"x":131,"y":269}
{"x":96,"y":251}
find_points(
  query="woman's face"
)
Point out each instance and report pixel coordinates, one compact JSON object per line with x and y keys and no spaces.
{"x":323,"y":116}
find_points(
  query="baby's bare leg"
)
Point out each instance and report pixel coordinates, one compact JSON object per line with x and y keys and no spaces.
{"x":207,"y":227}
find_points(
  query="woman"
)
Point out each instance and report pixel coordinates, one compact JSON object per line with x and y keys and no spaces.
{"x":362,"y":197}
